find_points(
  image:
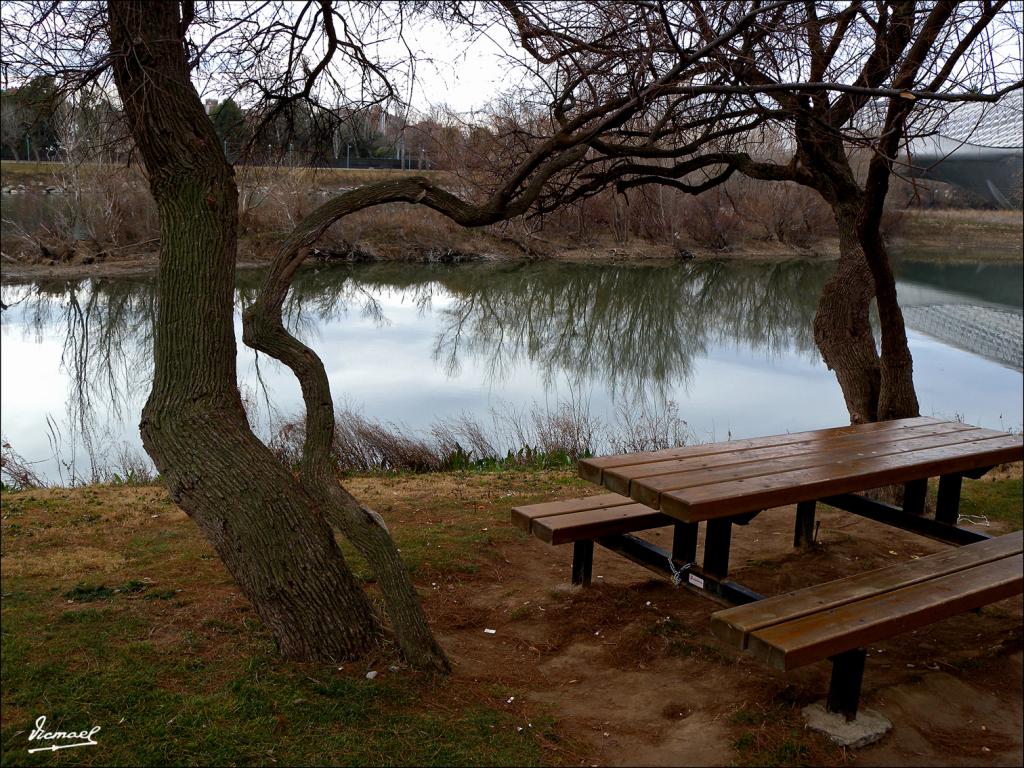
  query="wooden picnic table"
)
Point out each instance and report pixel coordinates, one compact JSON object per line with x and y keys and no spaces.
{"x":730,"y":482}
{"x":724,"y":484}
{"x":703,"y":482}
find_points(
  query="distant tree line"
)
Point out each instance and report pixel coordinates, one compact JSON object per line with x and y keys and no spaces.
{"x":37,"y":118}
{"x":27,"y":121}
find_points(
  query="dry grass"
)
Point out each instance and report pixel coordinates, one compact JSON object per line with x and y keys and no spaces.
{"x":964,"y":235}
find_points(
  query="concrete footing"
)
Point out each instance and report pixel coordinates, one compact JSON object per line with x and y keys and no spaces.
{"x":868,"y":727}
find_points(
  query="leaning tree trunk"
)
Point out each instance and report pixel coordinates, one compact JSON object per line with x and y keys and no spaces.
{"x":270,"y":535}
{"x":842,"y":324}
{"x":265,"y":331}
{"x":897,"y":397}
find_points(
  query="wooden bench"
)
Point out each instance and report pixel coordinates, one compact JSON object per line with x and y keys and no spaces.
{"x":583,"y":521}
{"x":836,"y":620}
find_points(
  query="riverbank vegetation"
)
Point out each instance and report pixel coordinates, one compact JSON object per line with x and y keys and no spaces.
{"x":95,"y":220}
{"x":539,"y":436}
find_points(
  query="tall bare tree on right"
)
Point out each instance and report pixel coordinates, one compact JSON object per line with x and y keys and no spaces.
{"x":803,"y":89}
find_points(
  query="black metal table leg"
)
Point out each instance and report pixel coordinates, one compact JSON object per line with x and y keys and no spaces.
{"x":803,"y":534}
{"x":914,"y":494}
{"x":844,"y":688}
{"x":684,"y":542}
{"x":947,"y":503}
{"x":582,"y":562}
{"x":717,"y":538}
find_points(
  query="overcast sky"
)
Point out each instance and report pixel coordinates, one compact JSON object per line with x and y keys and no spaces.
{"x":452,"y":67}
{"x":461,"y":73}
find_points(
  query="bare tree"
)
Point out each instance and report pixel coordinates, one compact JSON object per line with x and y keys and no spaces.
{"x":824,"y":80}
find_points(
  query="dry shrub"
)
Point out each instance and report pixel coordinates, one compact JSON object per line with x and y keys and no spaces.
{"x":129,"y":467}
{"x":464,"y":435}
{"x":569,"y":429}
{"x":116,"y":206}
{"x":365,"y":444}
{"x":400,"y":230}
{"x":276,"y":200}
{"x":533,"y":436}
{"x":16,"y":470}
{"x":711,"y":220}
{"x":91,"y":212}
{"x":649,"y":429}
{"x":567,"y":432}
{"x":781,"y":211}
{"x":894,"y":221}
{"x":721,"y":218}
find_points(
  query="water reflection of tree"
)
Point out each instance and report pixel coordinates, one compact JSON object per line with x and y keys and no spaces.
{"x":637,"y":329}
{"x":106,"y":327}
{"x":632,"y":328}
{"x":628,"y":326}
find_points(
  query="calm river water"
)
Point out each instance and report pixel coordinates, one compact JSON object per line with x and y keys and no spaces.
{"x":728,"y":343}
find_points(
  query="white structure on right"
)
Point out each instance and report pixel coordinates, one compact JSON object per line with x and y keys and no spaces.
{"x":978,"y":146}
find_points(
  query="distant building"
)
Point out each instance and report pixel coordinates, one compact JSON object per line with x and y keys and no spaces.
{"x":977,"y":146}
{"x":211,"y":104}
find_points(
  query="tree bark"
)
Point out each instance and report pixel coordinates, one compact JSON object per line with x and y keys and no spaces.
{"x":264,"y":331}
{"x":270,"y":535}
{"x":842,"y":324}
{"x":897,"y":397}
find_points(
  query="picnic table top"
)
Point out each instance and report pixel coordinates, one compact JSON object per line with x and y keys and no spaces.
{"x":702,"y":482}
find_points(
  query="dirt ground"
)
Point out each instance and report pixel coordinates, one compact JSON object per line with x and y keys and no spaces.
{"x":635,"y":696}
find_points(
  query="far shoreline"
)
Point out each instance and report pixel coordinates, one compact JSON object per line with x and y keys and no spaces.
{"x":953,"y":236}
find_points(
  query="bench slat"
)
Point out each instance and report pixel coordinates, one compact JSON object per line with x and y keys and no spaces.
{"x":764,"y":492}
{"x":734,"y":625}
{"x":648,"y":490}
{"x":591,"y":469}
{"x":826,"y":633}
{"x":591,"y":524}
{"x":618,"y":478}
{"x":523,"y":516}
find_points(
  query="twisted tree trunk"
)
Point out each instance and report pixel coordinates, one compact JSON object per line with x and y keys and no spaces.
{"x":270,"y":534}
{"x":263,"y":330}
{"x":842,"y":323}
{"x":897,"y":397}
{"x":271,"y":529}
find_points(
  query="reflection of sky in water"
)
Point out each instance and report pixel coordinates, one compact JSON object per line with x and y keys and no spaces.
{"x":736,"y":385}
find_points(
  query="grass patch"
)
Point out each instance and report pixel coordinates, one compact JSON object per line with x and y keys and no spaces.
{"x":86,"y":593}
{"x":157,"y":647}
{"x":774,"y":735}
{"x":160,"y":704}
{"x":997,"y":499}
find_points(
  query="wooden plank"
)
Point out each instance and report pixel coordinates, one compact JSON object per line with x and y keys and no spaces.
{"x":648,"y":490}
{"x":826,"y":633}
{"x":735,"y":624}
{"x":524,"y":515}
{"x":764,"y":492}
{"x":618,"y":479}
{"x":591,"y":469}
{"x":593,"y":523}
